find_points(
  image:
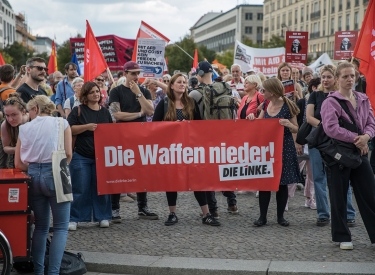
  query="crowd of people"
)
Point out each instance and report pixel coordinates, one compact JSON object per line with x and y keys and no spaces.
{"x":32,"y":100}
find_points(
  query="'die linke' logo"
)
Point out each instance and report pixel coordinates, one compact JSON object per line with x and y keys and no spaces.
{"x":235,"y":163}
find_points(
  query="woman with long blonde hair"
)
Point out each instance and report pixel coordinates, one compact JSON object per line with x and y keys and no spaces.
{"x":286,"y":110}
{"x":181,"y":107}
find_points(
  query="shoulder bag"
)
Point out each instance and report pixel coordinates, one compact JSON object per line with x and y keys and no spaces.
{"x":60,"y":169}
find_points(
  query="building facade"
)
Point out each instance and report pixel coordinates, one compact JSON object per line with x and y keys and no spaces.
{"x":23,"y":32}
{"x":219,"y":31}
{"x":321,"y":18}
{"x":42,"y":44}
{"x":7,"y":24}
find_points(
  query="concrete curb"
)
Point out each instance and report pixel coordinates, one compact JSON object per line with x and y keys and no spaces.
{"x":159,"y":265}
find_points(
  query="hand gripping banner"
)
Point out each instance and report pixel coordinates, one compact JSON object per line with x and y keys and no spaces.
{"x":189,"y":156}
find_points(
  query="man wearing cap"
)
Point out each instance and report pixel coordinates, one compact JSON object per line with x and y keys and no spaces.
{"x":236,"y":84}
{"x":204,"y":75}
{"x":131,"y":103}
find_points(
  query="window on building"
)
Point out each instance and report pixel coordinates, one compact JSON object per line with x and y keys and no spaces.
{"x":302,"y":13}
{"x":290,"y":18}
{"x":248,"y":16}
{"x":332,"y":25}
{"x":356,"y":26}
{"x":267,"y":9}
{"x":290,"y":2}
{"x":272,"y":24}
{"x":348,"y":22}
{"x":278,"y":22}
{"x":340,"y":5}
{"x":284,"y":3}
{"x":260,"y":16}
{"x":2,"y":9}
{"x":324,"y":27}
{"x":295,"y":16}
{"x":324,"y":7}
{"x":339,"y":23}
{"x":259,"y":30}
{"x":307,"y":12}
{"x":284,"y":19}
{"x":348,"y":4}
{"x":249,"y":30}
{"x":333,"y":6}
{"x":278,"y":4}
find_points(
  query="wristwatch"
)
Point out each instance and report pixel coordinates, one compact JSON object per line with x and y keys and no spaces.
{"x":139,"y":95}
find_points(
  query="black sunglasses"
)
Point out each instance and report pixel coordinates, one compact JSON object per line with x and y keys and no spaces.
{"x":40,"y":68}
{"x":166,"y":81}
{"x":99,"y":79}
{"x":13,"y":101}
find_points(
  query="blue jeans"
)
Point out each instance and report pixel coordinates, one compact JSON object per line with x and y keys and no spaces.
{"x":43,"y":198}
{"x":320,"y":185}
{"x":86,"y":201}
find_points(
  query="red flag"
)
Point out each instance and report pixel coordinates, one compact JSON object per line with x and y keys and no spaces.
{"x":365,"y":50}
{"x":195,"y":62}
{"x":2,"y":62}
{"x":52,"y":63}
{"x":146,"y":31}
{"x":94,"y":62}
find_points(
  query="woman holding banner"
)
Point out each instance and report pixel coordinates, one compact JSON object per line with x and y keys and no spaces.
{"x":253,"y":98}
{"x":286,"y":110}
{"x":181,"y":107}
{"x":284,"y":73}
{"x":84,"y":119}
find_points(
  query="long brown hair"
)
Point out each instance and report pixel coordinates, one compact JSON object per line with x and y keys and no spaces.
{"x":274,"y":86}
{"x":15,"y":100}
{"x":282,"y":65}
{"x":187,"y":102}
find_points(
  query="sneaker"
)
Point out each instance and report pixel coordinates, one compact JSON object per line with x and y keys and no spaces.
{"x":214,"y":214}
{"x":346,"y":245}
{"x":72,"y":226}
{"x":257,"y":194}
{"x":104,"y":224}
{"x":310,"y":203}
{"x":133,"y":196}
{"x":172,"y":219}
{"x":350,"y":222}
{"x":126,"y":199}
{"x":287,"y":206}
{"x":233,"y":209}
{"x":144,"y":213}
{"x":322,"y":221}
{"x":116,"y":218}
{"x":209,"y":220}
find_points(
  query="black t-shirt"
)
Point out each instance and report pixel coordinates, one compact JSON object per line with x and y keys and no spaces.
{"x":317,"y":99}
{"x":128,"y":101}
{"x":301,"y":105}
{"x":159,"y":112}
{"x":85,"y":141}
{"x":26,"y":92}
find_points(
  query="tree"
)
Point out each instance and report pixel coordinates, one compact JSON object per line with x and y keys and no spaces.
{"x":177,"y":59}
{"x":274,"y":42}
{"x":45,"y":56}
{"x":7,"y":58}
{"x":63,"y":55}
{"x":226,"y":58}
{"x":18,"y":53}
{"x":249,"y":42}
{"x":203,"y":52}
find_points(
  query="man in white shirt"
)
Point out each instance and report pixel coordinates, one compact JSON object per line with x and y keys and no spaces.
{"x":236,"y":84}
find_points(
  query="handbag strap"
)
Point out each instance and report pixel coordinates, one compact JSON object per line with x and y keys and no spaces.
{"x":60,"y":145}
{"x":346,"y":109}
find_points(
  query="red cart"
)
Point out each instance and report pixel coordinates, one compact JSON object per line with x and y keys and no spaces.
{"x":15,"y":216}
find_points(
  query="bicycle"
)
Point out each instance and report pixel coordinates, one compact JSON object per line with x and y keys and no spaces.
{"x":6,"y":258}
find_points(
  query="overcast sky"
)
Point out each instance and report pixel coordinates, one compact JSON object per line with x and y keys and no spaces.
{"x":66,"y":18}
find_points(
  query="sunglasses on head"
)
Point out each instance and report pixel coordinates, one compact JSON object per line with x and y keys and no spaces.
{"x":13,"y":101}
{"x":40,"y":68}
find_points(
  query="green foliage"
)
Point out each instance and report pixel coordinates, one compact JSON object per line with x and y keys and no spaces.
{"x":178,"y":60}
{"x":18,"y":53}
{"x":45,"y":56}
{"x":249,"y":42}
{"x":226,"y":58}
{"x":274,"y":42}
{"x":63,"y":55}
{"x":7,"y":58}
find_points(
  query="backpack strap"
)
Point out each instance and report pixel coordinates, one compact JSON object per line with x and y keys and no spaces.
{"x":165,"y":106}
{"x":4,"y":89}
{"x":347,"y":111}
{"x":71,"y":102}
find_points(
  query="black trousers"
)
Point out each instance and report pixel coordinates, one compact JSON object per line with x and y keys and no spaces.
{"x":200,"y":196}
{"x":141,"y":199}
{"x":281,"y":201}
{"x":363,"y":183}
{"x":212,"y":202}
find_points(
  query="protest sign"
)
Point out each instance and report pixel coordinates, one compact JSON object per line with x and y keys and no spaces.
{"x":261,"y":60}
{"x":150,"y":57}
{"x":189,"y":156}
{"x":344,"y":44}
{"x":296,"y":46}
{"x":320,"y":62}
{"x":116,"y":50}
{"x":288,"y":87}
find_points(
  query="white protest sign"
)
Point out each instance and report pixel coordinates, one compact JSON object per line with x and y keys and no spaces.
{"x":150,"y":57}
{"x":320,"y":62}
{"x":261,"y":60}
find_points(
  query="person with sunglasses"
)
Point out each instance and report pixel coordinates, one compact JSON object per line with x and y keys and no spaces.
{"x":15,"y":115}
{"x":36,"y":70}
{"x":131,"y":103}
{"x":100,"y":81}
{"x":166,"y":79}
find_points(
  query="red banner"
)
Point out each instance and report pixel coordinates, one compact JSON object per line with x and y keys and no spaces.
{"x":116,"y":50}
{"x":344,"y":44}
{"x":296,"y":44}
{"x":189,"y":156}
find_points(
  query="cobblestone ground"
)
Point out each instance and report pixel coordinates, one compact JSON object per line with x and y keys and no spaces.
{"x":236,"y":238}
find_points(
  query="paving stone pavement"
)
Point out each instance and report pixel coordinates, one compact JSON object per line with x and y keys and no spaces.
{"x":236,"y":238}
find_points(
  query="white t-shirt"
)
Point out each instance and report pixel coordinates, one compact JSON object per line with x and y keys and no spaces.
{"x":237,"y":87}
{"x":67,"y":103}
{"x":39,"y":138}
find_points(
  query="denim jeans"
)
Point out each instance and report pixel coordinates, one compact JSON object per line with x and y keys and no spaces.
{"x":320,"y":185}
{"x":87,"y":203}
{"x":43,"y":198}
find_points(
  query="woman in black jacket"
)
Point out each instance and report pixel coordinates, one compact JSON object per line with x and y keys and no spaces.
{"x":181,"y":107}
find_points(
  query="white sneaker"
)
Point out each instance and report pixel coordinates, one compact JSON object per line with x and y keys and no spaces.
{"x":104,"y":224}
{"x":257,"y":194}
{"x":126,"y":199}
{"x":346,"y":245}
{"x":72,"y":226}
